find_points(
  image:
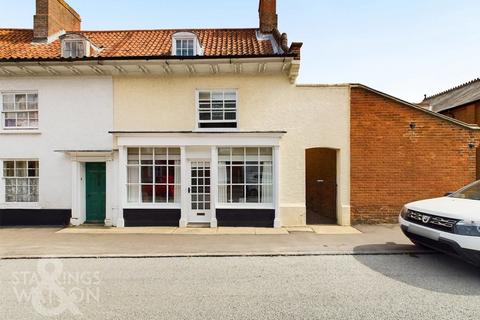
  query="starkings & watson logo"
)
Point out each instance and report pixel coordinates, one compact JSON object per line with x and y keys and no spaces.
{"x":52,"y":291}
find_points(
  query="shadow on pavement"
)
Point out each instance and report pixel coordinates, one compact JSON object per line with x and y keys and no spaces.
{"x":430,"y":271}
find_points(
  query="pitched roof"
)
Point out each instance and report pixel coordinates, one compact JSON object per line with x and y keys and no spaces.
{"x":417,"y":107}
{"x":455,"y":97}
{"x":16,"y":44}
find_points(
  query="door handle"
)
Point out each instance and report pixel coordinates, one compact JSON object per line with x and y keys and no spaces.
{"x":320,"y":181}
{"x":189,"y":190}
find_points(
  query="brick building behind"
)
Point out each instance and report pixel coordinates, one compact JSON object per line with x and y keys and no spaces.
{"x":402,"y":153}
{"x":469,"y":113}
{"x":461,"y":102}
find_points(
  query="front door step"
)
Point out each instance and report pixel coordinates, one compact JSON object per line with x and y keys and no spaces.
{"x":94,"y":223}
{"x":198,"y":225}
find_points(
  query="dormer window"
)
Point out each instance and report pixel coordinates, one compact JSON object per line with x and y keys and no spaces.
{"x":74,"y":49}
{"x":76,"y":45}
{"x":186,"y":44}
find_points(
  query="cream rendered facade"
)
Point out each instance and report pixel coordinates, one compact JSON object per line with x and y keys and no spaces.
{"x":161,"y":111}
{"x":167,"y":127}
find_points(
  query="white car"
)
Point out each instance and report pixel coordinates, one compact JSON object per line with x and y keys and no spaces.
{"x":450,"y":224}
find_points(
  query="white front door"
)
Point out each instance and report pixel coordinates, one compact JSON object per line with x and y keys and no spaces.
{"x":200,"y":205}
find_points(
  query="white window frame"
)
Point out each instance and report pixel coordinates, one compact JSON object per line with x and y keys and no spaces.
{"x":86,"y":48}
{"x":185,"y":36}
{"x":247,"y":205}
{"x":140,"y":203}
{"x":17,"y":111}
{"x":184,"y":46}
{"x":197,"y":112}
{"x":3,"y":193}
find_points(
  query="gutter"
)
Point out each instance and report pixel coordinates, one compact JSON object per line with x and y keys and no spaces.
{"x":144,"y":58}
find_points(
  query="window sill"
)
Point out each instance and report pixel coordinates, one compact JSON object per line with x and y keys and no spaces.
{"x":19,"y":205}
{"x":20,"y":132}
{"x":152,"y":206}
{"x":266,"y":206}
{"x":200,"y":130}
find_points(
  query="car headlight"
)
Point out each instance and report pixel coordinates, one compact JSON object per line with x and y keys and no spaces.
{"x":404,"y":212}
{"x":468,"y":228}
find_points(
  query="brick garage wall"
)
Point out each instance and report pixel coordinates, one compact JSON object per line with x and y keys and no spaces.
{"x":400,"y":154}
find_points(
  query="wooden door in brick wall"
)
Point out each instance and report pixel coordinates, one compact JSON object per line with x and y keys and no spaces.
{"x":478,"y":163}
{"x":321,"y":186}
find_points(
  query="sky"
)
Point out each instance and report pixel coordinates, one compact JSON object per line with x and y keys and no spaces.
{"x":406,"y":48}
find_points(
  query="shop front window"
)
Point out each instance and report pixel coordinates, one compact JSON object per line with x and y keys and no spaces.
{"x":245,"y":175}
{"x":153,"y":175}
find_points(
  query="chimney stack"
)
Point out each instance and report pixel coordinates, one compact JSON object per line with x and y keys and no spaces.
{"x":268,"y":16}
{"x":53,"y":17}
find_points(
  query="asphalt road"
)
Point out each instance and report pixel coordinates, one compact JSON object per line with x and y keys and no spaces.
{"x":428,"y":286}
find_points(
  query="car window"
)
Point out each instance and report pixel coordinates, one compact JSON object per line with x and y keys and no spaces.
{"x":471,"y":192}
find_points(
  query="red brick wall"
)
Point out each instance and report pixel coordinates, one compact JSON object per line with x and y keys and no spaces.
{"x":393,"y":163}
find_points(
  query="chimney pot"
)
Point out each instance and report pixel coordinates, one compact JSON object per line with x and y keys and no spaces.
{"x":284,"y":41}
{"x":268,"y":16}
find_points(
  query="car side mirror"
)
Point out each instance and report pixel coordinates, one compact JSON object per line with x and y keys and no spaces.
{"x":448,"y":194}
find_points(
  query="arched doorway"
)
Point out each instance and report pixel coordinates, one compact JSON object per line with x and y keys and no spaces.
{"x":321,"y":185}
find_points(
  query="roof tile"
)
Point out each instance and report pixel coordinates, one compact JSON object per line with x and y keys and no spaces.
{"x":17,"y":43}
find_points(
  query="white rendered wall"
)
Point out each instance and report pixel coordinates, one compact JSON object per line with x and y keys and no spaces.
{"x":75,"y":113}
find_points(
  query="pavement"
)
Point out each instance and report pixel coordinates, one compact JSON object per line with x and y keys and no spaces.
{"x":318,"y":229}
{"x":18,"y":243}
{"x":353,"y":287}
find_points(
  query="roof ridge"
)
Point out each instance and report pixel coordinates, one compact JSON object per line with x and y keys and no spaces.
{"x":453,"y":89}
{"x":17,"y":29}
{"x":159,"y":29}
{"x":169,"y":29}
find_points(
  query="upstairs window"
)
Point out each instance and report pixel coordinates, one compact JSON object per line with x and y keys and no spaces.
{"x":217,"y":109}
{"x":20,"y":110}
{"x":74,"y":49}
{"x":186,"y":44}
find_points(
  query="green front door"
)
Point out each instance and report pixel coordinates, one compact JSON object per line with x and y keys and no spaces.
{"x":95,"y":174}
